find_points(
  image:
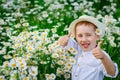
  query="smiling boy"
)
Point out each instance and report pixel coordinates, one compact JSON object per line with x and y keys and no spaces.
{"x":92,"y":63}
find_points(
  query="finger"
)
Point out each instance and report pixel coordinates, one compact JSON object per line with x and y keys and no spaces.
{"x":95,"y":50}
{"x":65,"y":41}
{"x":96,"y":55}
{"x":99,"y":44}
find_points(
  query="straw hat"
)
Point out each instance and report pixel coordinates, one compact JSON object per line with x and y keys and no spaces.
{"x":90,"y":19}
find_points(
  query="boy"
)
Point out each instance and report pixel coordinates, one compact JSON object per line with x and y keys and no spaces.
{"x":92,"y":63}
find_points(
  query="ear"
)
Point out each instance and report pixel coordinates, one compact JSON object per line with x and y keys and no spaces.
{"x":98,"y":37}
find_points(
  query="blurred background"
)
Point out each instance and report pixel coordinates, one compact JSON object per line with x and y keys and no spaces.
{"x":28,"y":28}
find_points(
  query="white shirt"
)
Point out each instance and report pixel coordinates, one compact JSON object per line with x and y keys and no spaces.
{"x":87,"y":67}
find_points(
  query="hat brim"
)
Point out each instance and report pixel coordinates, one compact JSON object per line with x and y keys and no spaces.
{"x":90,"y":19}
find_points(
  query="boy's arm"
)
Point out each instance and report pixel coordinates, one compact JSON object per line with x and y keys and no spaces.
{"x":110,"y":67}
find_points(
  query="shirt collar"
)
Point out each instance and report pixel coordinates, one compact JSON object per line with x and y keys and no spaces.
{"x":86,"y":52}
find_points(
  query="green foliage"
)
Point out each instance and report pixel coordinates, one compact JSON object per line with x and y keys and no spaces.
{"x":54,"y":16}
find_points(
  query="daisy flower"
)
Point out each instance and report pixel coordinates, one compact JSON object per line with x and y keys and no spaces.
{"x":67,"y":75}
{"x":52,"y":76}
{"x":98,"y":32}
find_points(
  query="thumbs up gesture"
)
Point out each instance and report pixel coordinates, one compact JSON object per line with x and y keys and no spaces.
{"x":64,"y":39}
{"x":97,"y":52}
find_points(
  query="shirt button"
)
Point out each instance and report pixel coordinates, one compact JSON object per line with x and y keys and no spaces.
{"x":81,"y":55}
{"x":75,"y":75}
{"x":78,"y":64}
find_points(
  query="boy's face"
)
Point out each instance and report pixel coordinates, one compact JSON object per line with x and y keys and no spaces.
{"x":86,"y":37}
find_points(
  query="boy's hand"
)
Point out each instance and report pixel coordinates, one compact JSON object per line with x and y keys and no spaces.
{"x":108,"y":64}
{"x":97,"y":52}
{"x":64,"y":39}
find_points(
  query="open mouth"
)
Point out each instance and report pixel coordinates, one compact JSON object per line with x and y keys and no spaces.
{"x":85,"y":45}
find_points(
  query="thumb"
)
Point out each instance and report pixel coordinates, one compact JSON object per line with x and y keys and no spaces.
{"x":99,"y":44}
{"x":69,"y":34}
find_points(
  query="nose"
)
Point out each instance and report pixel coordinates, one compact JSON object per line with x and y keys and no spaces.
{"x":84,"y":38}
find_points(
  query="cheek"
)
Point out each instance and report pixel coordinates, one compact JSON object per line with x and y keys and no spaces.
{"x":93,"y":40}
{"x":78,"y":41}
{"x":77,"y":38}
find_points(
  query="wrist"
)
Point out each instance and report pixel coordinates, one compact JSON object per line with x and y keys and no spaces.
{"x":103,"y":57}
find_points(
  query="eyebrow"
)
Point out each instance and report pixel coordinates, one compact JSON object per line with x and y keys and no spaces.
{"x":85,"y":33}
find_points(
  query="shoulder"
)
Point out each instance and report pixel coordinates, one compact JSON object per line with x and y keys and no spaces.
{"x":72,"y":40}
